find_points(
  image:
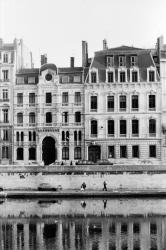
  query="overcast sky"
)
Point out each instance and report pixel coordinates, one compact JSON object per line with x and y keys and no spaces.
{"x":57,"y":27}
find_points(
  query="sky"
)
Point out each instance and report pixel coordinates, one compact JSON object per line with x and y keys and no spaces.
{"x":57,"y":27}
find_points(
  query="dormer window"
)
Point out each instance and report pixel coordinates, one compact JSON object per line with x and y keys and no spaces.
{"x":5,"y":58}
{"x":93,"y":77}
{"x":121,"y":61}
{"x":133,"y":61}
{"x":151,"y":76}
{"x":110,"y":61}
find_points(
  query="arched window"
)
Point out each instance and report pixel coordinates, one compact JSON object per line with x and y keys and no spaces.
{"x":77,"y":153}
{"x":65,"y":153}
{"x":152,"y":127}
{"x":31,"y":119}
{"x":5,"y":152}
{"x":48,"y":117}
{"x":30,"y":136}
{"x":20,"y":154}
{"x":32,"y":153}
{"x":75,"y":135}
{"x":17,"y":136}
{"x":63,"y":135}
{"x":20,"y":119}
{"x":34,"y":136}
{"x":22,"y":136}
{"x":94,"y":128}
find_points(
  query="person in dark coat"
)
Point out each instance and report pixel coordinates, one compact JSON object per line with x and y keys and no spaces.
{"x":83,"y":186}
{"x":104,"y":186}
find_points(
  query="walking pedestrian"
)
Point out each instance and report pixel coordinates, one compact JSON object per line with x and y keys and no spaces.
{"x":83,"y":186}
{"x":105,"y":186}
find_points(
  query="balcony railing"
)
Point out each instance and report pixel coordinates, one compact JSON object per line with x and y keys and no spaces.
{"x":94,"y":135}
{"x":134,"y":109}
{"x":93,"y":110}
{"x":152,"y":109}
{"x":110,"y":135}
{"x":122,"y":109}
{"x":110,"y":110}
{"x":123,"y":135}
{"x":135,"y":135}
{"x":152,"y":134}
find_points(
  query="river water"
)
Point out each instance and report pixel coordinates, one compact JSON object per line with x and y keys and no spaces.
{"x":75,"y":224}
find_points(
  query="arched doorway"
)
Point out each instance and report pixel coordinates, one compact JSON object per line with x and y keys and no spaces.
{"x":94,"y":153}
{"x":48,"y":150}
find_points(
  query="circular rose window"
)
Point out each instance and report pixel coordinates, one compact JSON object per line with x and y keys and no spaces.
{"x":48,"y":77}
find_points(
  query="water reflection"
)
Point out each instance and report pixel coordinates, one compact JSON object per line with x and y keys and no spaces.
{"x":37,"y":224}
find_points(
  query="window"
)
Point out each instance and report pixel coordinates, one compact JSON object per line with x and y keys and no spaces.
{"x":65,"y":79}
{"x":5,"y":95}
{"x":77,"y":153}
{"x":134,"y":76}
{"x":32,"y":119}
{"x":134,"y":103}
{"x":122,"y":104}
{"x":135,"y":127}
{"x":121,"y":61}
{"x":20,"y":154}
{"x":65,"y":98}
{"x":123,"y":128}
{"x":32,"y":153}
{"x":110,"y":127}
{"x":5,"y":115}
{"x":151,"y":76}
{"x":152,"y":102}
{"x":153,"y":228}
{"x":34,"y":136}
{"x":5,"y":135}
{"x":110,"y":103}
{"x":48,"y":118}
{"x":110,"y":61}
{"x":122,"y":76}
{"x":110,"y":76}
{"x":22,"y":136}
{"x":5,"y":152}
{"x":133,"y":61}
{"x":93,"y":103}
{"x":5,"y":58}
{"x":93,"y":77}
{"x":77,"y":118}
{"x":135,"y":151}
{"x":20,"y":119}
{"x":31,"y":80}
{"x":152,"y":151}
{"x":77,"y":98}
{"x":152,"y":127}
{"x":94,"y":128}
{"x":136,"y":228}
{"x":64,"y":118}
{"x":30,"y":136}
{"x":19,"y":99}
{"x":5,"y":75}
{"x":48,"y":98}
{"x":31,"y":99}
{"x":123,"y":151}
{"x":111,"y":151}
{"x":77,"y":79}
{"x":65,"y":153}
{"x":17,"y":136}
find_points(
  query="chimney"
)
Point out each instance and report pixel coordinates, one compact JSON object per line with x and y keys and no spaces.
{"x":105,"y":44}
{"x":72,"y":62}
{"x":84,"y":54}
{"x":43,"y":59}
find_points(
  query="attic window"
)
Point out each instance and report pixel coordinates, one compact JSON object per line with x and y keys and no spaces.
{"x":65,"y":79}
{"x":121,"y":61}
{"x":93,"y":77}
{"x":151,"y":76}
{"x":133,"y":61}
{"x":77,"y":79}
{"x":110,"y":61}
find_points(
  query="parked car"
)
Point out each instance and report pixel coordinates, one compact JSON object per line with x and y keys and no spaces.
{"x":85,"y":162}
{"x":46,"y":187}
{"x":104,"y":162}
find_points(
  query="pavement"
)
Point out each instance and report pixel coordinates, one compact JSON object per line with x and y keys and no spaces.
{"x":87,"y":193}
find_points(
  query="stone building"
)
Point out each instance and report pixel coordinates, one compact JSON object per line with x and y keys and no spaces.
{"x":12,"y":57}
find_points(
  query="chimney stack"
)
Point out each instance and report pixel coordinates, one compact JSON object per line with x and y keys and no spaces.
{"x":43,"y":59}
{"x":84,"y":54}
{"x":105,"y":44}
{"x":72,"y":62}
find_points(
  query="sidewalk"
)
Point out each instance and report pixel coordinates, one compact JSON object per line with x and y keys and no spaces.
{"x":87,"y":193}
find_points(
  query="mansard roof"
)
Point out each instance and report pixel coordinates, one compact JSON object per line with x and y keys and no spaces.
{"x":28,"y":71}
{"x":69,"y":70}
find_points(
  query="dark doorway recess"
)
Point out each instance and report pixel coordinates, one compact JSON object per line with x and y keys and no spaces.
{"x":94,"y":153}
{"x":48,"y":150}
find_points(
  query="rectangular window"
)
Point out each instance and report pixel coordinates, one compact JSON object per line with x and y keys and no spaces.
{"x":123,"y":129}
{"x":20,"y":80}
{"x":48,"y":98}
{"x":77,"y":98}
{"x":122,"y":76}
{"x":152,"y":151}
{"x":133,"y":61}
{"x":110,"y":76}
{"x":5,"y":75}
{"x":135,"y":151}
{"x":153,"y":228}
{"x":151,"y":76}
{"x":134,"y":76}
{"x":93,"y":103}
{"x":5,"y":58}
{"x":65,"y":79}
{"x":65,"y":153}
{"x":110,"y":103}
{"x":123,"y":151}
{"x":5,"y":116}
{"x":31,"y":119}
{"x":94,"y":129}
{"x":5,"y":95}
{"x":110,"y":127}
{"x":122,"y":104}
{"x":31,"y":99}
{"x":19,"y":99}
{"x":77,"y":153}
{"x":65,"y":98}
{"x":135,"y":127}
{"x":77,"y":79}
{"x":5,"y":135}
{"x":5,"y":152}
{"x":93,"y":77}
{"x":122,"y":61}
{"x":110,"y":61}
{"x":134,"y":103}
{"x":31,"y":80}
{"x":152,"y":102}
{"x":64,"y":118}
{"x":136,"y":228}
{"x":111,"y":151}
